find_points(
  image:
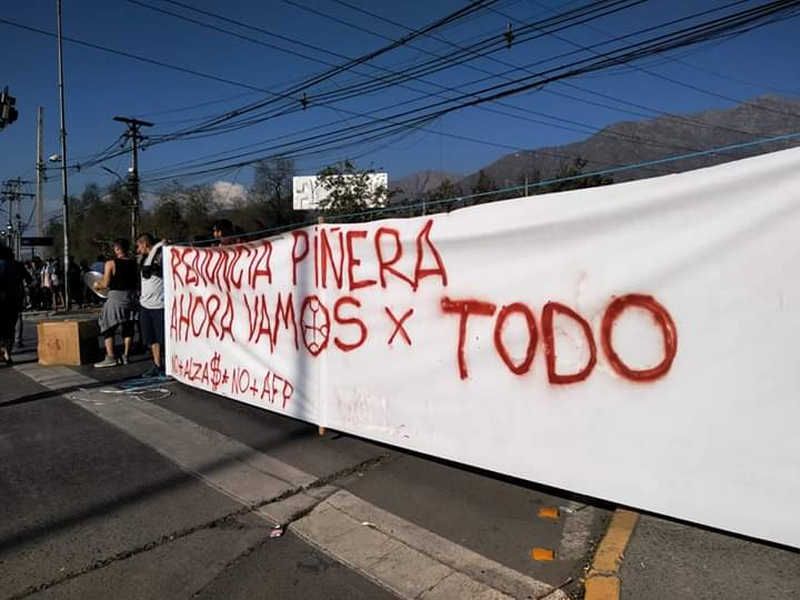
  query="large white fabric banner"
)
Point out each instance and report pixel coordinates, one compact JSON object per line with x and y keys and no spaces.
{"x":635,"y":342}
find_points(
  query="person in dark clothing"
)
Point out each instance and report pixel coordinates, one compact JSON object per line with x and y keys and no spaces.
{"x":23,"y":290}
{"x":121,"y":279}
{"x":224,"y":233}
{"x":11,"y":295}
{"x":74,"y":282}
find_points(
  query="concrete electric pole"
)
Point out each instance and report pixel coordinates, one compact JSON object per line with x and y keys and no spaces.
{"x":40,"y":172}
{"x":63,"y":131}
{"x":12,"y":193}
{"x":133,"y":179}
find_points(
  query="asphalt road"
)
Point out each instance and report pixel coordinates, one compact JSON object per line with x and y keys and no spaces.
{"x":107,"y":491}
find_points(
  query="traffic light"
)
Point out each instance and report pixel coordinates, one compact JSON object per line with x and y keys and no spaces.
{"x":8,"y":114}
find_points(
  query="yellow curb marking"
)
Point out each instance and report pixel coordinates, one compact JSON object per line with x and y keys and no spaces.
{"x":602,"y":582}
{"x":543,"y":554}
{"x":602,"y":588}
{"x":548,"y":512}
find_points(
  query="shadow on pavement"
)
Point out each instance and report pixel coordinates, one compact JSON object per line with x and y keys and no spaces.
{"x":48,"y":528}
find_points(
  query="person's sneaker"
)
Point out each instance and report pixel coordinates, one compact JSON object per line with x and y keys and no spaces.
{"x":152,"y":372}
{"x":125,"y":359}
{"x":108,"y":361}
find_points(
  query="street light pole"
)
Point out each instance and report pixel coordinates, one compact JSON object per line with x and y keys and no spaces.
{"x":65,"y":197}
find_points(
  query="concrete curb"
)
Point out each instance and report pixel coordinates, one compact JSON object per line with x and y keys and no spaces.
{"x":408,"y":560}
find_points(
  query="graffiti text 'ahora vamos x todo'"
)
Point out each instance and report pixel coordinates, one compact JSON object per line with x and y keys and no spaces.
{"x":213,"y":285}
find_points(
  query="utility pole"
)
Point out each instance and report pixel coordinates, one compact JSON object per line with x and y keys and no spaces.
{"x":133,"y":179}
{"x":5,"y":194}
{"x":39,"y":172}
{"x":12,"y":193}
{"x":63,"y":130}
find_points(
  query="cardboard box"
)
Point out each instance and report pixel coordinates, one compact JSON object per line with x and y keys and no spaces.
{"x":70,"y":342}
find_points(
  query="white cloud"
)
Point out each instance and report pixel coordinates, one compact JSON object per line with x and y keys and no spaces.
{"x":227,"y":193}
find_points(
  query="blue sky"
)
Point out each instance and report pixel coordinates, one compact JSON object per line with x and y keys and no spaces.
{"x":100,"y":85}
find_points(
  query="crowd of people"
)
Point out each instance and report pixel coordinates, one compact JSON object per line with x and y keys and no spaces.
{"x":44,"y":284}
{"x":133,"y":290}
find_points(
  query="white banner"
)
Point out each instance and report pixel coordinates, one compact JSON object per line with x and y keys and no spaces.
{"x":634,"y":342}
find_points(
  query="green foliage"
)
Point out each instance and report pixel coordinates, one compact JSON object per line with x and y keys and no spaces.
{"x":350,"y":191}
{"x":572,"y":172}
{"x":95,"y":220}
{"x":484,"y":184}
{"x":442,"y":197}
{"x":181,"y":214}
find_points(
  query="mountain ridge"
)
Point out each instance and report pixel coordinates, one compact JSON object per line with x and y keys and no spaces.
{"x":632,"y":142}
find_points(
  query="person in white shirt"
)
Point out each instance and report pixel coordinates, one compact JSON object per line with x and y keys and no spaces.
{"x":151,"y":300}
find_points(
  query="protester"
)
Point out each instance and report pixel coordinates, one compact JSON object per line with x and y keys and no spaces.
{"x":35,"y":288}
{"x":119,"y":311}
{"x":24,"y":281}
{"x":56,"y":282}
{"x":74,"y":283}
{"x":222,"y":230}
{"x":151,"y":313}
{"x":47,"y":284}
{"x":34,"y":285}
{"x":11,"y":282}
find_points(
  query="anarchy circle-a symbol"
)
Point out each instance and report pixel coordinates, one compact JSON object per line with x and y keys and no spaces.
{"x":315,"y":321}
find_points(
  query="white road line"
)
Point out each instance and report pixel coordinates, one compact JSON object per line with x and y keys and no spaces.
{"x":400,"y":556}
{"x":54,"y":378}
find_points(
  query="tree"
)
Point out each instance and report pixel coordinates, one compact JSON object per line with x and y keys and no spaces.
{"x":442,"y":198}
{"x":570,"y":172}
{"x":181,"y":214}
{"x":167,"y":219}
{"x":483,"y":185}
{"x":273,"y":179}
{"x":270,"y":197}
{"x":95,"y":220}
{"x":350,"y":190}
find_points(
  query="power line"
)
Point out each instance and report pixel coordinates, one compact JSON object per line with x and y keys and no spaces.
{"x":360,"y":89}
{"x":499,"y":61}
{"x":648,"y":72}
{"x":443,"y":87}
{"x":662,"y":43}
{"x":718,"y":23}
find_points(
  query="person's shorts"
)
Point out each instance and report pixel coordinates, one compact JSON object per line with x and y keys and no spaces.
{"x":151,"y":322}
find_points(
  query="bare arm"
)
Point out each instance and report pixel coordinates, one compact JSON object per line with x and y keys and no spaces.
{"x":108,"y":272}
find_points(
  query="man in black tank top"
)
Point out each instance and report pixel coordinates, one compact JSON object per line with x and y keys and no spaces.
{"x":121,"y":279}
